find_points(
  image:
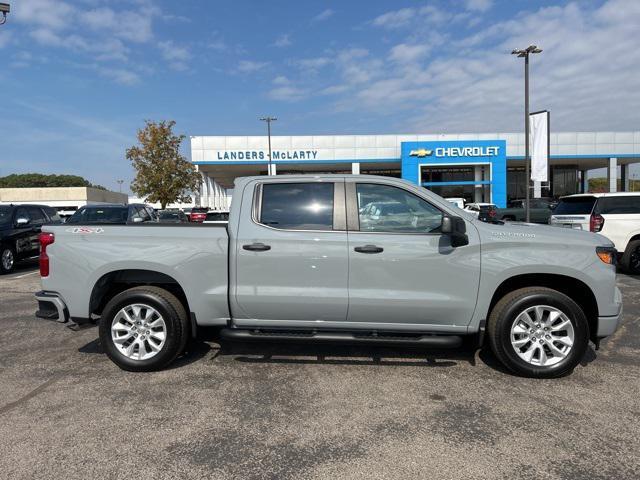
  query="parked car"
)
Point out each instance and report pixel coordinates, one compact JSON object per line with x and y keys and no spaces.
{"x":614,"y":215}
{"x":115,"y":214}
{"x":172,"y":216}
{"x":198,"y":214}
{"x":485,"y":212}
{"x":295,"y":264}
{"x":217,"y":217}
{"x":539,"y":211}
{"x":458,"y":202}
{"x":20,"y":226}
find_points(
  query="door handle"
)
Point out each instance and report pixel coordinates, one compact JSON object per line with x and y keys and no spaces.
{"x":257,"y":247}
{"x":369,"y":249}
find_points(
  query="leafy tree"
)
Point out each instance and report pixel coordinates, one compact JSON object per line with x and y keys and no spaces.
{"x":598,"y":185}
{"x":30,"y":180}
{"x":163,"y":174}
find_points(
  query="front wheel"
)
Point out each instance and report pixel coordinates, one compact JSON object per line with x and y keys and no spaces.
{"x":144,"y":329}
{"x":538,"y":332}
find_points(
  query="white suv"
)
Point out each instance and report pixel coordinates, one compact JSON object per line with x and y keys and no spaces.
{"x":614,"y":215}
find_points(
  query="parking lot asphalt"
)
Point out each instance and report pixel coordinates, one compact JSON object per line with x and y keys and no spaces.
{"x":305,"y":412}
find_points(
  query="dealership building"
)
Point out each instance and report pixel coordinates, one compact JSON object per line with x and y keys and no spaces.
{"x":479,"y":167}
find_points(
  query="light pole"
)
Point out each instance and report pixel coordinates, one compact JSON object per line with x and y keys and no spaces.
{"x":4,"y":9}
{"x":527,"y":161}
{"x":269,"y":120}
{"x":120,"y":182}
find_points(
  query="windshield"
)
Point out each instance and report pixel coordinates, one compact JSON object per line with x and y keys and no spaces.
{"x":100,"y":215}
{"x":575,"y":206}
{"x":5,"y":215}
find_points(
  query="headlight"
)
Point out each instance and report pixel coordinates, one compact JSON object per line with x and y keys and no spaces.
{"x":607,"y":254}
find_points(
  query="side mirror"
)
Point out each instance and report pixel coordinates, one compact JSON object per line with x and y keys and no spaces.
{"x":457,"y":229}
{"x":20,"y":221}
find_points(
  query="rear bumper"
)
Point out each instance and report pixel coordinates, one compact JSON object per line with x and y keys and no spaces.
{"x":51,"y":307}
{"x":609,"y":324}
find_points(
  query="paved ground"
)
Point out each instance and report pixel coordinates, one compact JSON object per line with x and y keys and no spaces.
{"x":266,"y":412}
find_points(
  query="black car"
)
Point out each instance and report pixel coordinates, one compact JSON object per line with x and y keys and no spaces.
{"x":116,"y":214}
{"x":20,"y":226}
{"x":172,"y":216}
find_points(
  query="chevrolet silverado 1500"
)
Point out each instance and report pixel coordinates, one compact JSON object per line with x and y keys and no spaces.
{"x":330,"y":258}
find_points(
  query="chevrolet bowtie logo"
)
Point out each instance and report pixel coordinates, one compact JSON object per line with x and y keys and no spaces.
{"x":421,"y":152}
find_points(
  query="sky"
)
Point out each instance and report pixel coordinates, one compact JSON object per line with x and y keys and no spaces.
{"x":79,"y":77}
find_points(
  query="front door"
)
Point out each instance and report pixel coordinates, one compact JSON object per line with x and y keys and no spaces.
{"x":291,"y":254}
{"x":402,"y":269}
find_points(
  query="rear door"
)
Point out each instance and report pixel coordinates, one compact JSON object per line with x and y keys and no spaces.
{"x":402,"y":270}
{"x":291,"y":254}
{"x":621,"y":215}
{"x":574,"y":212}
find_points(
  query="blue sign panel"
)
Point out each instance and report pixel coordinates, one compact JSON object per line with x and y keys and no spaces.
{"x":463,"y":152}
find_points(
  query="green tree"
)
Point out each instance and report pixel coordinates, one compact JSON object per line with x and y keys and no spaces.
{"x":30,"y":180}
{"x":598,"y":185}
{"x":162,"y":174}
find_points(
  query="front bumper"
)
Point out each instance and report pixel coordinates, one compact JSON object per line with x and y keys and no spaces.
{"x":609,"y":324}
{"x":51,"y":307}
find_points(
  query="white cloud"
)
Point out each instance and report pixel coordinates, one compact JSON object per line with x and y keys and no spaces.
{"x":312,"y":64}
{"x":404,"y":53}
{"x":250,"y":66}
{"x":119,"y":75}
{"x":478,"y":5}
{"x":287,"y":93}
{"x":282,"y":41}
{"x":129,"y":25}
{"x":587,"y":74}
{"x":177,"y":56}
{"x":395,"y":19}
{"x":52,"y":14}
{"x":324,"y":15}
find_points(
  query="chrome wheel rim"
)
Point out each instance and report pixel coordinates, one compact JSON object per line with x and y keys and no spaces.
{"x":138,"y":331}
{"x":542,"y":335}
{"x":7,"y":259}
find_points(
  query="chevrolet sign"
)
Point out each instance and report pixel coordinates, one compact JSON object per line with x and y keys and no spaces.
{"x":421,"y":152}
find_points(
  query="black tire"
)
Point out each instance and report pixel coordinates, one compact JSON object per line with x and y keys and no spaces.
{"x":171,"y":310}
{"x":631,"y":258}
{"x":506,"y":311}
{"x":7,"y":250}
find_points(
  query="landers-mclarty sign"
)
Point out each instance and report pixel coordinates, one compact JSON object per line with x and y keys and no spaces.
{"x":262,"y":155}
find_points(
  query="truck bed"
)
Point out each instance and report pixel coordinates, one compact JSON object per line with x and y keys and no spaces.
{"x":194,"y":256}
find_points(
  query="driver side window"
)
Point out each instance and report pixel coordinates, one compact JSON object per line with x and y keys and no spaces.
{"x":394,"y":210}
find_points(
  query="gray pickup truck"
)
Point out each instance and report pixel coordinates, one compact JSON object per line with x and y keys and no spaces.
{"x":316,"y":259}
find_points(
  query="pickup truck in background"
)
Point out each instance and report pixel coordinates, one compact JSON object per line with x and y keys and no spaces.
{"x":318,"y":259}
{"x":539,"y":211}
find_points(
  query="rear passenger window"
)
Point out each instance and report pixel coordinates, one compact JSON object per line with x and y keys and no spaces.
{"x":297,"y":206}
{"x":624,"y":204}
{"x":36,"y":216}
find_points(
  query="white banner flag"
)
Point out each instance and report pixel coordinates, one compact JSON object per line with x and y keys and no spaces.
{"x":539,"y":126}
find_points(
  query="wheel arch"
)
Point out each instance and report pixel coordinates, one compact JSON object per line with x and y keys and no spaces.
{"x":112,"y":283}
{"x":574,"y":288}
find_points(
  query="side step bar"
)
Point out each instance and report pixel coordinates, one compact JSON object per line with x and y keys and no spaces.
{"x":433,"y":341}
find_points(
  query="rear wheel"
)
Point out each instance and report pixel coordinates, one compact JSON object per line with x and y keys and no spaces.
{"x":631,"y":258}
{"x":144,"y":329}
{"x":538,"y":332}
{"x":7,"y":259}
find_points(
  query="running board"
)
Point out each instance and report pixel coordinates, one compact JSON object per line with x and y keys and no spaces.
{"x":433,"y":341}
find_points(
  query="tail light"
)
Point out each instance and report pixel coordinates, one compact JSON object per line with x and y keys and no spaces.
{"x":596,"y":222}
{"x":46,"y":239}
